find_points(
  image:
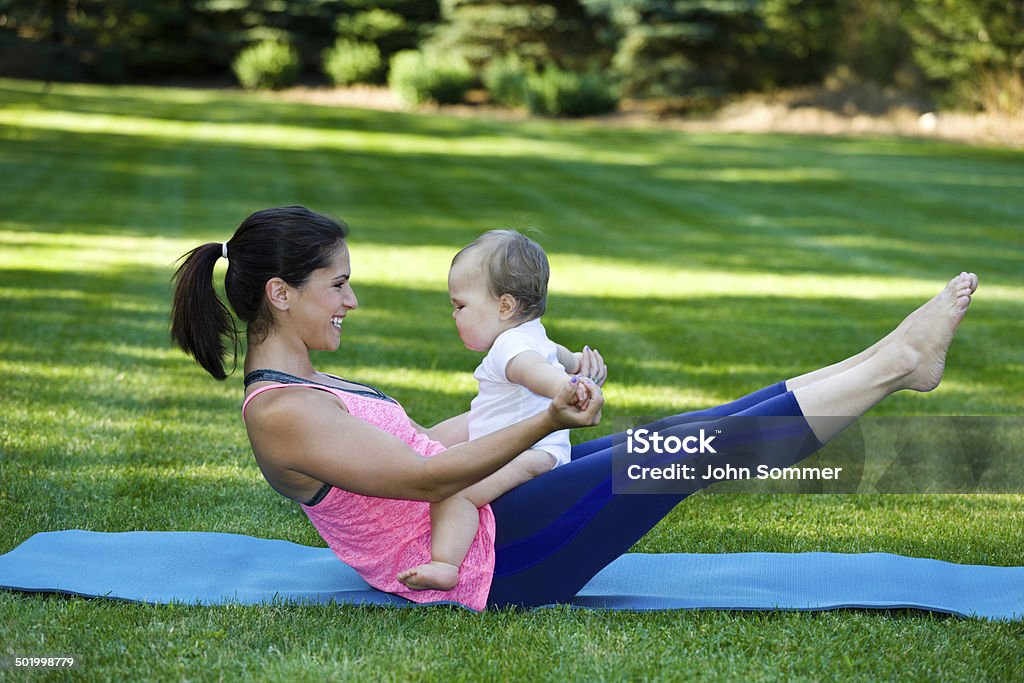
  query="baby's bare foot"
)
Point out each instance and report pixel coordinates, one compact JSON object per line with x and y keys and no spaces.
{"x":438,"y":576}
{"x":925,"y":336}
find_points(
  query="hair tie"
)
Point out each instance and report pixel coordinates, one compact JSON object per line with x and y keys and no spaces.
{"x":224,"y":249}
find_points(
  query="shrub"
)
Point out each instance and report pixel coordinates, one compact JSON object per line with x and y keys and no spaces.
{"x":505,"y":80}
{"x":555,"y":92}
{"x":389,"y":30}
{"x":350,"y":61}
{"x":418,"y":77}
{"x":372,"y":24}
{"x":268,"y":64}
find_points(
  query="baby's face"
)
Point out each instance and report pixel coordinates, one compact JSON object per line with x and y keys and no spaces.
{"x":477,"y":313}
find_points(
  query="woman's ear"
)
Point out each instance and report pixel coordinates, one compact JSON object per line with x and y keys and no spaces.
{"x":277,"y":291}
{"x":507,"y":307}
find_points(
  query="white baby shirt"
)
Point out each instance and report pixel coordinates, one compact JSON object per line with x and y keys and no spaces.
{"x":500,"y":403}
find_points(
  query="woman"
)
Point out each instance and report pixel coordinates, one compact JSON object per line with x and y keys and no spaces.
{"x":365,"y":474}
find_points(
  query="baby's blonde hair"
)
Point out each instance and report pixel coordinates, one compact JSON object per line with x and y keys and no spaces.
{"x":513,"y":264}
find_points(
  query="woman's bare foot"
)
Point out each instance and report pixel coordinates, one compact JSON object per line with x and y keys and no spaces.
{"x":891,"y":346}
{"x":434,"y":575}
{"x":920,"y":342}
{"x":957,"y":284}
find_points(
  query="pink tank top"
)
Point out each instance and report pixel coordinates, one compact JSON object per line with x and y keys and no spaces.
{"x":379,"y":537}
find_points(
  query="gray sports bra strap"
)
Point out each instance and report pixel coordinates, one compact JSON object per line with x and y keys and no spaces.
{"x":264,"y":375}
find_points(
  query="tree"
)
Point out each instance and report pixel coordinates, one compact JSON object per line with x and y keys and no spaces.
{"x":956,"y":41}
{"x":119,"y":40}
{"x":109,"y":40}
{"x":682,"y":48}
{"x":798,"y":41}
{"x":538,"y":32}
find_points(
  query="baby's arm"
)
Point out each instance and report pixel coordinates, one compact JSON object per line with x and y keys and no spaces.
{"x":569,"y":360}
{"x":531,"y":370}
{"x":448,"y":432}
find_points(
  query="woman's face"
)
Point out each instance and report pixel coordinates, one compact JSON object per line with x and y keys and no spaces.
{"x":322,"y":304}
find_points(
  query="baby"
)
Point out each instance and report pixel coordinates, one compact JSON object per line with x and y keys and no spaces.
{"x":498,"y":286}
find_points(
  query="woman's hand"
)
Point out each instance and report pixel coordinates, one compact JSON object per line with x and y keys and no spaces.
{"x":577,"y":404}
{"x":592,"y":366}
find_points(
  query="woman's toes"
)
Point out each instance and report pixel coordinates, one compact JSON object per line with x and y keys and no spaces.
{"x":968,"y":280}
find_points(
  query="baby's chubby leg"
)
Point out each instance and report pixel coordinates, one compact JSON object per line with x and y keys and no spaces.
{"x":526,"y":466}
{"x":454,"y":521}
{"x":453,"y":525}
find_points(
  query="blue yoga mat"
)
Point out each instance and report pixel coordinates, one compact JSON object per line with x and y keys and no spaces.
{"x":216,"y":568}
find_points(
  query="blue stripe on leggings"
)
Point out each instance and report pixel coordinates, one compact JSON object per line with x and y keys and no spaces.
{"x":515,"y":556}
{"x":524,"y":553}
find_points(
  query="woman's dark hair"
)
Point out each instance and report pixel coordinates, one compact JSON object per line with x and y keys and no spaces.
{"x":289,"y":242}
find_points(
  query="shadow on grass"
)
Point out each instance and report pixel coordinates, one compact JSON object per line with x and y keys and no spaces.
{"x":643,"y":214}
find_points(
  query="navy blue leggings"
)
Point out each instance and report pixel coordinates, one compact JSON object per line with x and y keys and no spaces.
{"x":555,"y":532}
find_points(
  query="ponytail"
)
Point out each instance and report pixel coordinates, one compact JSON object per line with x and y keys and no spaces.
{"x":289,"y":242}
{"x":200,"y":321}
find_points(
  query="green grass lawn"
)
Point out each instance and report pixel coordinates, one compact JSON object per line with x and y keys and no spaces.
{"x":703,"y":266}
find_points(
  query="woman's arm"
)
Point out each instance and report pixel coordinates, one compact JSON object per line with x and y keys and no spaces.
{"x":309,"y":433}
